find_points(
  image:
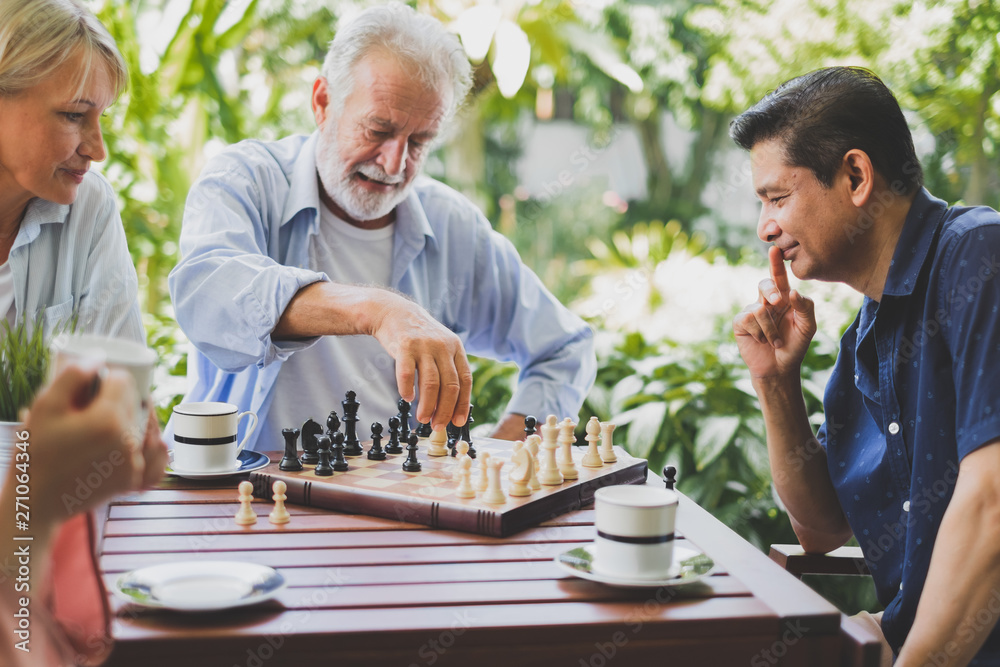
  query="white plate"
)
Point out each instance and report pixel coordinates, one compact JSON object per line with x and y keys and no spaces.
{"x":247,"y":462}
{"x":689,"y":565}
{"x":199,"y":585}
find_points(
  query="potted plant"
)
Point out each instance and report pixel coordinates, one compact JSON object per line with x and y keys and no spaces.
{"x":24,"y":358}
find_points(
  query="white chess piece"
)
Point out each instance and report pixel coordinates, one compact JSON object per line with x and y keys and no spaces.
{"x":522,"y":470}
{"x":592,"y":459}
{"x":494,"y":491}
{"x":566,"y":440}
{"x":607,"y":445}
{"x":483,"y":480}
{"x":438,"y":444}
{"x":465,"y":489}
{"x":279,"y":514}
{"x":246,"y":516}
{"x":550,"y":475}
{"x":531,"y":444}
{"x":462,"y":453}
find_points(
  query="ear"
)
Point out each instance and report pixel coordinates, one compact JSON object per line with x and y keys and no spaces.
{"x":320,"y":100}
{"x":860,"y":173}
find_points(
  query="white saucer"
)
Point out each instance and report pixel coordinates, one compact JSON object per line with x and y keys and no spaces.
{"x":246,"y":462}
{"x":199,"y":585}
{"x":689,"y":565}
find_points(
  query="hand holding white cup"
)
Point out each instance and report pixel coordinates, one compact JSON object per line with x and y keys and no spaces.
{"x":635,"y":532}
{"x":205,"y":435}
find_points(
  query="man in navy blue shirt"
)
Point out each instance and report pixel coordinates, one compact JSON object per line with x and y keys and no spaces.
{"x":908,"y":460}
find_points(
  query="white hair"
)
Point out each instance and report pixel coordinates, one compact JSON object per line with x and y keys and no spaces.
{"x":417,"y":41}
{"x":38,"y":36}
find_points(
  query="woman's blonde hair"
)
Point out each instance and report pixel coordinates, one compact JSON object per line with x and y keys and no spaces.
{"x":38,"y":36}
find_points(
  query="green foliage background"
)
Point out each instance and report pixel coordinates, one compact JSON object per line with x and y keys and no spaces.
{"x":205,"y":73}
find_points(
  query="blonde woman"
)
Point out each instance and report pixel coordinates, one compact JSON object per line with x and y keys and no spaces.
{"x":62,"y":246}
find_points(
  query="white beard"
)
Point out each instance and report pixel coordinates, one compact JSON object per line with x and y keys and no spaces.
{"x":349,"y":195}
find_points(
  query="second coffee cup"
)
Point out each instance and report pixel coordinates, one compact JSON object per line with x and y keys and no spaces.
{"x":205,"y":436}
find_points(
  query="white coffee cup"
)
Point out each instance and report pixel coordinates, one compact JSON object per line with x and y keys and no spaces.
{"x":635,"y":531}
{"x":205,"y":436}
{"x":89,"y":351}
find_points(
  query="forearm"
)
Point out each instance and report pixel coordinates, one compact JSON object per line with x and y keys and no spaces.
{"x":960,"y":601}
{"x":511,"y":427}
{"x":799,"y":466}
{"x":334,"y":309}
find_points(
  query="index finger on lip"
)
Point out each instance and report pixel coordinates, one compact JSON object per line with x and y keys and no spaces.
{"x":778,"y":273}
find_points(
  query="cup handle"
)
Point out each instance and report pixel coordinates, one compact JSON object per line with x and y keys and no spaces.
{"x":250,"y":429}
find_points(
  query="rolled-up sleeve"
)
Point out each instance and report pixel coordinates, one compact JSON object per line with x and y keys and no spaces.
{"x":229,"y":290}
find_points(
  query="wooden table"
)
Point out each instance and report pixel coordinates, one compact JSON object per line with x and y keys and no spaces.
{"x":371,"y":591}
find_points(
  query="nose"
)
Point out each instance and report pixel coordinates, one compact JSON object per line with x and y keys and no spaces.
{"x":92,"y":144}
{"x":392,"y":157}
{"x":767,"y":228}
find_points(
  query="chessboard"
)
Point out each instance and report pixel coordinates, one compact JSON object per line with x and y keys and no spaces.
{"x":383,"y":489}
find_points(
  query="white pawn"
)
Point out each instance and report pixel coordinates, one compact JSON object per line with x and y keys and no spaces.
{"x":462,"y":453}
{"x":494,"y":491}
{"x":483,"y":480}
{"x":566,"y":440}
{"x":550,"y":475}
{"x":531,"y":444}
{"x":607,"y":445}
{"x":592,"y":459}
{"x":279,"y":514}
{"x":522,"y":470}
{"x":246,"y":516}
{"x":438,"y":444}
{"x":465,"y":489}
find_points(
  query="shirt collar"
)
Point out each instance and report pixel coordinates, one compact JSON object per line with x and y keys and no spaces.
{"x":923,"y":218}
{"x":40,"y":212}
{"x":412,"y":225}
{"x":304,"y":185}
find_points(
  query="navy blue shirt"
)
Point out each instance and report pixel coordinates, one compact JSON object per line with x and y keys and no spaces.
{"x":916,"y":388}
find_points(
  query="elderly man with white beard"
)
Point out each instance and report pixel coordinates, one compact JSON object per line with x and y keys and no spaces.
{"x":317,"y":265}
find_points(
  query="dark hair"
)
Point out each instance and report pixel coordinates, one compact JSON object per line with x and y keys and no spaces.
{"x":821,"y":115}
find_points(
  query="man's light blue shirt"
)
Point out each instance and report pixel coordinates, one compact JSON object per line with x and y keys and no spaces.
{"x":244,"y":247}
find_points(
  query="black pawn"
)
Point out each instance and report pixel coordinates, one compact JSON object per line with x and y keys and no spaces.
{"x":310,"y":430}
{"x":290,"y":461}
{"x":411,"y":464}
{"x":332,"y":424}
{"x":393,"y":446}
{"x":424,"y":430}
{"x":467,"y":436}
{"x":352,"y":446}
{"x":339,"y":462}
{"x":376,"y":453}
{"x":404,"y":419}
{"x":323,"y":468}
{"x":529,"y":426}
{"x":454,"y":435}
{"x":669,"y":476}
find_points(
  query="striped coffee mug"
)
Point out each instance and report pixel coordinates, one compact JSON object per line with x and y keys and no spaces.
{"x":205,"y":436}
{"x":635,"y":531}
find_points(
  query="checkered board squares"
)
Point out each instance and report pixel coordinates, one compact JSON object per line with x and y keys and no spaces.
{"x":382,"y":488}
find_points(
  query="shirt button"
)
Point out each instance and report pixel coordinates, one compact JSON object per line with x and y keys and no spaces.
{"x":906,"y":506}
{"x":894,"y":428}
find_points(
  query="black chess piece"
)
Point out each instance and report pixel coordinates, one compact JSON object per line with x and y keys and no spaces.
{"x":290,"y":461}
{"x":339,"y":462}
{"x":352,"y":446}
{"x":375,"y":452}
{"x":393,"y":446}
{"x":454,"y":435}
{"x":467,"y":436}
{"x":310,"y":430}
{"x":332,"y":424}
{"x":529,"y":426}
{"x":411,"y":464}
{"x":669,"y":476}
{"x":404,"y":419}
{"x":323,"y":468}
{"x":424,"y":429}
